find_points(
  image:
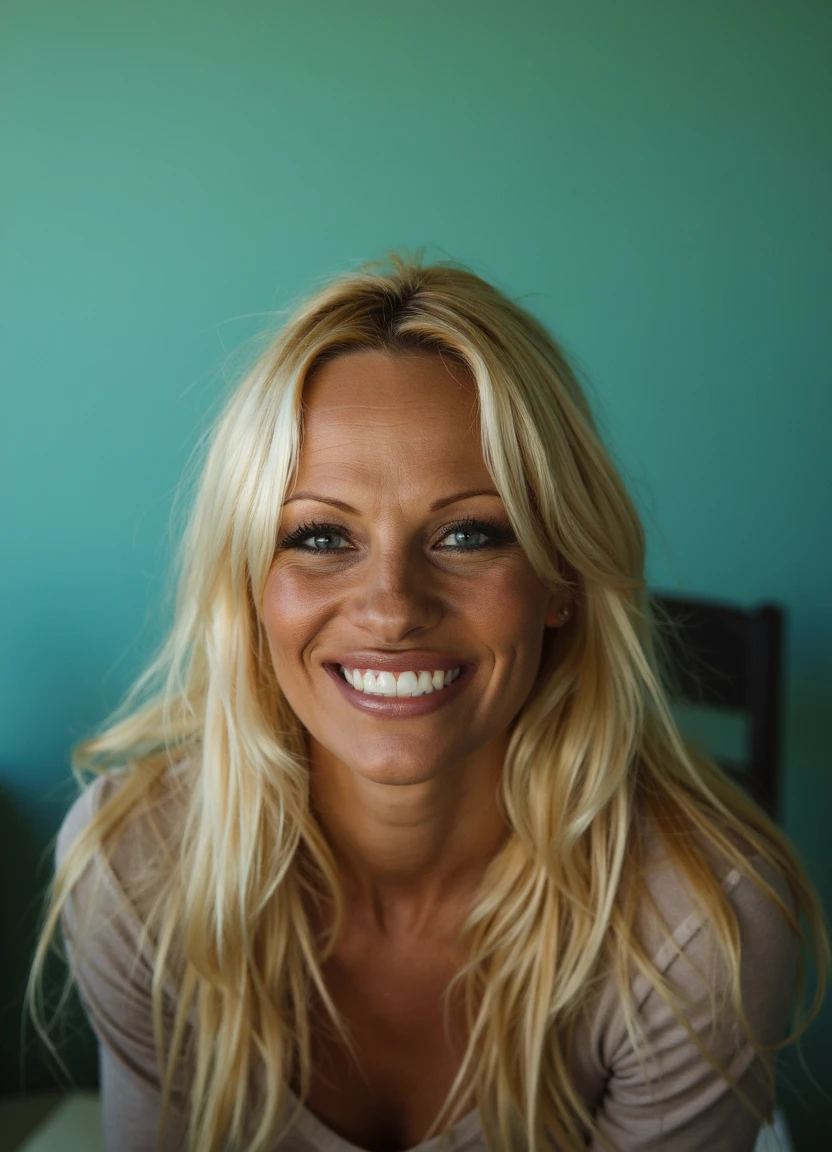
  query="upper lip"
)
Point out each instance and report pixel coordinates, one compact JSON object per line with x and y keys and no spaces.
{"x":413,"y":660}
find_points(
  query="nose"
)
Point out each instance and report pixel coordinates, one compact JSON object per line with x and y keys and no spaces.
{"x":394,"y":597}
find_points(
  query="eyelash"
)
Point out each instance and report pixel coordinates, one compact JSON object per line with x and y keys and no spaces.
{"x":498,"y":536}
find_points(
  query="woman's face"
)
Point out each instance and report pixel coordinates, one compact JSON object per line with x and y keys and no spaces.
{"x":395,"y":556}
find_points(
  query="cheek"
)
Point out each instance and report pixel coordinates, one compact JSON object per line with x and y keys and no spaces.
{"x":510,"y":607}
{"x":293,"y":609}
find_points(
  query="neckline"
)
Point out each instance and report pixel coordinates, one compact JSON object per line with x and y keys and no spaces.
{"x":325,"y":1140}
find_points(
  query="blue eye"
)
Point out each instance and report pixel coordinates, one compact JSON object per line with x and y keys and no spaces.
{"x":471,"y":535}
{"x":323,"y":542}
{"x":466,"y":538}
{"x":320,"y":535}
{"x":320,"y":539}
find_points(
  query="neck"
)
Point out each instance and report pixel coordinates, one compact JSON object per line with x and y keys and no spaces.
{"x":410,"y":855}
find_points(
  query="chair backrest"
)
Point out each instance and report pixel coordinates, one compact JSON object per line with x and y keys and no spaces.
{"x":731,"y":658}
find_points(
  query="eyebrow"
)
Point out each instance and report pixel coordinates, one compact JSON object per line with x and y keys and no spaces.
{"x":437,"y":504}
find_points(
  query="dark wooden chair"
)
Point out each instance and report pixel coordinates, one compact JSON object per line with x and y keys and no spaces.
{"x":724,"y":657}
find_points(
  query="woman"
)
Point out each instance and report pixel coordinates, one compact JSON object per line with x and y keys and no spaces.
{"x":397,"y":839}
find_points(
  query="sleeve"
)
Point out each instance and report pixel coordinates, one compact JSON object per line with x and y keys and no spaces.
{"x":113,"y":978}
{"x":685,"y":1105}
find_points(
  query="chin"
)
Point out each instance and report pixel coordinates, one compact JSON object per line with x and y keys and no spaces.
{"x":396,"y":774}
{"x":387,"y":761}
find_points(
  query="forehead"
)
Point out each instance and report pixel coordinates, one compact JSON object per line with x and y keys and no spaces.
{"x":373,"y":417}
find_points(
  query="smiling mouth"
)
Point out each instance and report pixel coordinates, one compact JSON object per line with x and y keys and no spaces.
{"x":404,"y":685}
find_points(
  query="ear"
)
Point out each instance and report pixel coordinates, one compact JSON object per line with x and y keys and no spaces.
{"x":560,"y":610}
{"x":563,"y":601}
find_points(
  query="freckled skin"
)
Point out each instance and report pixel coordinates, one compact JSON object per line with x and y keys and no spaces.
{"x":390,"y":435}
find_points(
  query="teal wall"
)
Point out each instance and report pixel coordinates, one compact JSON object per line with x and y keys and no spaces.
{"x":653,"y":179}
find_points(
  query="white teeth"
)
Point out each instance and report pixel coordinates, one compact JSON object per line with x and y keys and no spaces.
{"x":405,"y":684}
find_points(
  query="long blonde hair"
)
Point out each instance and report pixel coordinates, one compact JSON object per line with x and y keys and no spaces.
{"x":593,"y":753}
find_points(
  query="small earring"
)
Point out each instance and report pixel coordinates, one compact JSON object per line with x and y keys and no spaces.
{"x":563,"y":614}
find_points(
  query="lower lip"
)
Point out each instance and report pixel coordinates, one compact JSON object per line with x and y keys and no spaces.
{"x":400,"y":707}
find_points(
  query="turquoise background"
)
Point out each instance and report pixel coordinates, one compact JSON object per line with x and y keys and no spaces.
{"x":653,"y":179}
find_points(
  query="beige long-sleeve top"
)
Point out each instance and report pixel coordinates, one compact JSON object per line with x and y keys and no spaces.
{"x":685,"y":1106}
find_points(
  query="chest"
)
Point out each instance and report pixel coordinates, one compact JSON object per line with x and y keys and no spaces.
{"x":385,"y":1095}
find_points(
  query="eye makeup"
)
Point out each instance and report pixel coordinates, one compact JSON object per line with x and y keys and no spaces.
{"x":497,"y":535}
